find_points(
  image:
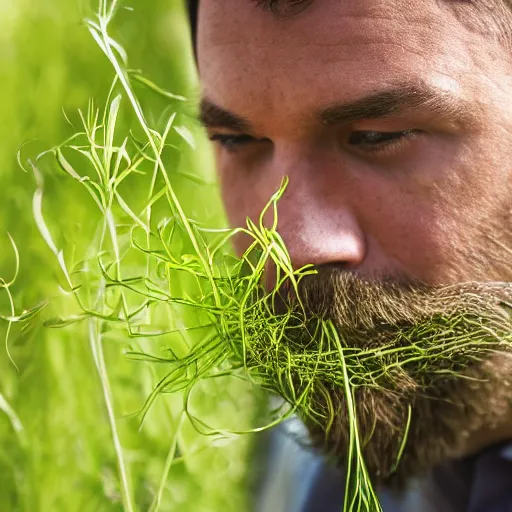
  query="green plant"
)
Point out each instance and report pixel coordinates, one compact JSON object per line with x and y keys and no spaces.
{"x":56,"y":435}
{"x":198,"y":316}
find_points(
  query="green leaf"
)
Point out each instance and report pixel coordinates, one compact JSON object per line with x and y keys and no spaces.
{"x":186,"y":135}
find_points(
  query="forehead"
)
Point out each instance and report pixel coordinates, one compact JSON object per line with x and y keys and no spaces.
{"x":334,"y":48}
{"x":226,"y":21}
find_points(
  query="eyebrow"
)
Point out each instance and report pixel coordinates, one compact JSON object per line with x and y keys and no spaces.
{"x":211,"y":115}
{"x":397,"y":99}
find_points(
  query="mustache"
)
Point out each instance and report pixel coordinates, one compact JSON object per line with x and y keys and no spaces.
{"x":399,"y":335}
{"x":359,"y":304}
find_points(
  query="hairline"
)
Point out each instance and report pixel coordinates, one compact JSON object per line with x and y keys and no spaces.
{"x":192,"y":7}
{"x":296,"y":6}
{"x":498,"y":13}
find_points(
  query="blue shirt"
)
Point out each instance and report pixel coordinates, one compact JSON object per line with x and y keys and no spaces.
{"x":300,"y":481}
{"x":481,"y":483}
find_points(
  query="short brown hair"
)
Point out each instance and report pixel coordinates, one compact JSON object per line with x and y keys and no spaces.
{"x":494,"y":16}
{"x":280,"y":9}
{"x":283,"y":8}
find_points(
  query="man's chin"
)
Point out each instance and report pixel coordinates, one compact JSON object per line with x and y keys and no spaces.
{"x":448,"y":421}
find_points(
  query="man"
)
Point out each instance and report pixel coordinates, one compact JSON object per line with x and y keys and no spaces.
{"x":392,"y":120}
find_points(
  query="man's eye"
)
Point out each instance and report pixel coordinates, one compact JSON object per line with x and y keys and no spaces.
{"x":232,"y":142}
{"x":375,"y":141}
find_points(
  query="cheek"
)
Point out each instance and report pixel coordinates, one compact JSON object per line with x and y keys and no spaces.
{"x":416,"y":235}
{"x":246,"y":186}
{"x":406,"y":229}
{"x":243,"y":196}
{"x":436,"y":225}
{"x":235,"y":205}
{"x":232,"y":187}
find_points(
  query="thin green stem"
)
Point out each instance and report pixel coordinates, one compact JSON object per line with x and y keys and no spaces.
{"x":95,"y":340}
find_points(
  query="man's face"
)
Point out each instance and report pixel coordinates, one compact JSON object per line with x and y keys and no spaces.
{"x":392,"y":120}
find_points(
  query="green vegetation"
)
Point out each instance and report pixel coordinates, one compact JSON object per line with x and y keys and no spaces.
{"x":135,"y":342}
{"x":71,"y":436}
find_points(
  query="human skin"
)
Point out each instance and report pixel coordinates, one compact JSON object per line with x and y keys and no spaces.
{"x":431,"y":204}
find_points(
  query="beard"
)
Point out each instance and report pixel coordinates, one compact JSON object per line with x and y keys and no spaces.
{"x":426,"y":367}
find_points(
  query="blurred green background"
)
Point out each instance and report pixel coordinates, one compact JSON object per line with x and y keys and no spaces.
{"x":56,"y":449}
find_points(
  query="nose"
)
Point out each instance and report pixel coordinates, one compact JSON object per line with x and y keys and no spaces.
{"x":317,"y":219}
{"x":317,"y":233}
